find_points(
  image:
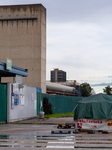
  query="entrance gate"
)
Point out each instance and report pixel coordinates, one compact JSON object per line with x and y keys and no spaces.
{"x":3,"y":103}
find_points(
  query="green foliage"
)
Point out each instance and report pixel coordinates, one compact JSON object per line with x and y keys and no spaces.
{"x":69,"y":114}
{"x":47,"y":106}
{"x":77,"y":86}
{"x":85,"y":89}
{"x":107,"y":90}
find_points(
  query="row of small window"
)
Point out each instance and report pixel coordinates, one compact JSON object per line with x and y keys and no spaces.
{"x":17,"y":15}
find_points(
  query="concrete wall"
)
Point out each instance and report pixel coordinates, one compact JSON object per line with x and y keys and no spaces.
{"x":21,"y":111}
{"x":24,"y":41}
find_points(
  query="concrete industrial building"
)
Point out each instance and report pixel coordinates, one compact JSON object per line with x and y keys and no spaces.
{"x":23,"y":39}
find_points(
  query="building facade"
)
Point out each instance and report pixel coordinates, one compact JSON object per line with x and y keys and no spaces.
{"x":23,"y":39}
{"x":58,"y":75}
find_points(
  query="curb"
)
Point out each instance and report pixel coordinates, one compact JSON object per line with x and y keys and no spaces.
{"x":37,"y":123}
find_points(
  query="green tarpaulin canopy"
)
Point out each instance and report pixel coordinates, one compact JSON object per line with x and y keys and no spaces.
{"x":97,"y":106}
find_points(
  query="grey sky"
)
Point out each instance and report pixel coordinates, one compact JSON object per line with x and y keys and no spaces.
{"x":79,"y":38}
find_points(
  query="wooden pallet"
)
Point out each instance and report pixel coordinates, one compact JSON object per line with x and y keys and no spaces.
{"x":67,"y":125}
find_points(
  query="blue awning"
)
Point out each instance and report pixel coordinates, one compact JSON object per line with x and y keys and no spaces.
{"x":12,"y":73}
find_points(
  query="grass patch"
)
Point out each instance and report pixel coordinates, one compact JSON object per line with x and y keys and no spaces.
{"x":69,"y":114}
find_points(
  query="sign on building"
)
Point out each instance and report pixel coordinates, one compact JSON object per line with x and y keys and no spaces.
{"x":8,"y":64}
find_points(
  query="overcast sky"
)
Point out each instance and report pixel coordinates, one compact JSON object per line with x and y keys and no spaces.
{"x":79,"y":38}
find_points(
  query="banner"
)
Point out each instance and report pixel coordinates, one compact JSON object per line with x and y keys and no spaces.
{"x":93,"y":124}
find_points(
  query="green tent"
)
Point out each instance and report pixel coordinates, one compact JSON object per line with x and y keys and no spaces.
{"x":97,"y":106}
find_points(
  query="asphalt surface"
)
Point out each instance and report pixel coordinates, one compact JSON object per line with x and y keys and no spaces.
{"x":33,"y":137}
{"x":49,"y":121}
{"x":35,"y":133}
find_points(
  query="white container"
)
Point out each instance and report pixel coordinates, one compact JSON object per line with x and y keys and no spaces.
{"x":41,"y":114}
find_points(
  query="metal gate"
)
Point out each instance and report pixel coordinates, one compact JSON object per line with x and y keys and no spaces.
{"x":39,"y":103}
{"x":3,"y":103}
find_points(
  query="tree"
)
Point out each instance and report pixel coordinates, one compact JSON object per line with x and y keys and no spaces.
{"x":47,"y":107}
{"x":85,"y":89}
{"x":107,"y":90}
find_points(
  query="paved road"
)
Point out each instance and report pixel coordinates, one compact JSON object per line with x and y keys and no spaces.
{"x":39,"y":137}
{"x":48,"y":121}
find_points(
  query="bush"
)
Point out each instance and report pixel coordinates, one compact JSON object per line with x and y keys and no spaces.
{"x":47,"y":106}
